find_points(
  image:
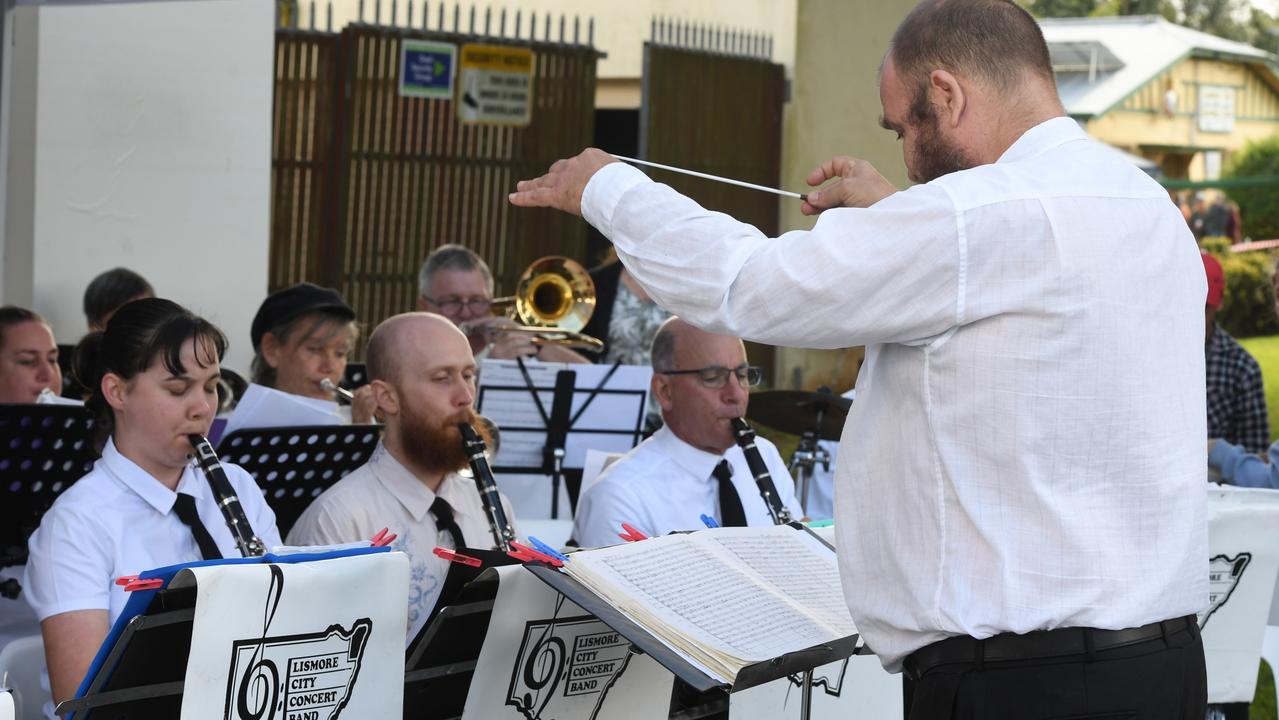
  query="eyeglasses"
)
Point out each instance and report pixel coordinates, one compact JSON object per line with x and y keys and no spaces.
{"x":716,"y":377}
{"x":452,"y":304}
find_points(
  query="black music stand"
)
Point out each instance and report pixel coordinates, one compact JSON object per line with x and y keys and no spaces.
{"x":559,"y":421}
{"x":144,"y":673}
{"x":44,"y":449}
{"x":440,"y":661}
{"x":293,"y":465}
{"x":356,"y":376}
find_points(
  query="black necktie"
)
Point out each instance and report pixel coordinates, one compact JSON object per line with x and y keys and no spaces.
{"x":731,"y":513}
{"x":184,"y":506}
{"x":443,"y":513}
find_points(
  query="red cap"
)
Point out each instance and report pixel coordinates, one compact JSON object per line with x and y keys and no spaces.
{"x":1216,"y":281}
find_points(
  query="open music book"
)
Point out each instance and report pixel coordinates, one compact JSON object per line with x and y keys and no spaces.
{"x":724,"y":598}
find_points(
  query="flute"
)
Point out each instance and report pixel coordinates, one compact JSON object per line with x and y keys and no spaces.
{"x":224,"y":495}
{"x":339,"y":393}
{"x":503,"y":533}
{"x":745,"y":437}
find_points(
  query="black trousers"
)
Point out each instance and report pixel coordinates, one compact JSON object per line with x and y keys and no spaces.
{"x":1159,"y":679}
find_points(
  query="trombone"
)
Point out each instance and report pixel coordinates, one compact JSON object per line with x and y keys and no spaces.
{"x":553,"y":301}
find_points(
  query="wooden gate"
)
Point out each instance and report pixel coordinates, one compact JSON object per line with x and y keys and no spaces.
{"x":365,"y":182}
{"x":712,"y":102}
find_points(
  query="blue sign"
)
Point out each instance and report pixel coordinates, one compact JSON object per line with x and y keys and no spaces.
{"x":427,"y":69}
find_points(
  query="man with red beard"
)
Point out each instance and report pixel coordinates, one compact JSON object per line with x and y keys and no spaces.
{"x":423,"y":379}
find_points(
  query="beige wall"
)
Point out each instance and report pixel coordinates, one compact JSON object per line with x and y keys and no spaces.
{"x":834,"y":110}
{"x":621,"y":27}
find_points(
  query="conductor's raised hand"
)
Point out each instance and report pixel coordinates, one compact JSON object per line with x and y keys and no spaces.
{"x":562,"y":186}
{"x":857,"y":184}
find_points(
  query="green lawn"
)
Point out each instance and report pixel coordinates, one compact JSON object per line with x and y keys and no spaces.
{"x":1266,"y":350}
{"x":1263,"y":704}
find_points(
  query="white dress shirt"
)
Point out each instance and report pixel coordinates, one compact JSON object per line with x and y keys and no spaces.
{"x":383,"y":493}
{"x":1026,"y":450}
{"x":664,"y":484}
{"x":119,"y":520}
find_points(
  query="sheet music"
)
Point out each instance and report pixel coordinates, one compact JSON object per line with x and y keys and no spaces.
{"x":264,"y":407}
{"x":706,"y":592}
{"x":796,"y":564}
{"x":611,"y":422}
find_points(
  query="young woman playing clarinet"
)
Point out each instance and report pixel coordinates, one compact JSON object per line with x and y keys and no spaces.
{"x":153,"y":374}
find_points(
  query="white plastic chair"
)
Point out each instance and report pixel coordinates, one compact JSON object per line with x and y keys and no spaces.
{"x":22,"y":662}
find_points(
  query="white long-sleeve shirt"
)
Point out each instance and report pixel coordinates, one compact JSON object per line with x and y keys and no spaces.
{"x":1026,"y":451}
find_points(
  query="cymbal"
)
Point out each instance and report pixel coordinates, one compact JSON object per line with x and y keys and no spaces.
{"x":795,"y":411}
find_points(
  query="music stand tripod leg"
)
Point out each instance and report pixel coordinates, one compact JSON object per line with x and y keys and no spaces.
{"x":557,"y":477}
{"x":806,"y":695}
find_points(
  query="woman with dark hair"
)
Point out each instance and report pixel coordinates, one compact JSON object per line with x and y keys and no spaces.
{"x":153,"y":375}
{"x":28,"y":356}
{"x":302,"y":336}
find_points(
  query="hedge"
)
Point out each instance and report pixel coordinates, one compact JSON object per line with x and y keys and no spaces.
{"x":1258,"y":205}
{"x":1248,"y":307}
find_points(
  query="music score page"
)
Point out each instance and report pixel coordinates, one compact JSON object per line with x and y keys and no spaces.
{"x":724,"y":598}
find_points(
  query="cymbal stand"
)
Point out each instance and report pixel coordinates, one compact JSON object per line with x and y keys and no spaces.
{"x":806,"y":458}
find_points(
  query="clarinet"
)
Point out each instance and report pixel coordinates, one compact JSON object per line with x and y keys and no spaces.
{"x":236,"y":521}
{"x":503,"y":533}
{"x":745,"y":437}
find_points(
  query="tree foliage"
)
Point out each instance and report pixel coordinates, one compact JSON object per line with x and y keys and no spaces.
{"x":1259,"y":206}
{"x":1230,"y":19}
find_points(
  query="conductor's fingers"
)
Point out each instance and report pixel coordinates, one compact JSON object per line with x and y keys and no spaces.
{"x":838,"y":166}
{"x":532,"y":196}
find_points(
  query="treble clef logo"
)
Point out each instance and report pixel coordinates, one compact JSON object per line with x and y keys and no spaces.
{"x":260,"y":685}
{"x":542,"y":672}
{"x":259,"y":690}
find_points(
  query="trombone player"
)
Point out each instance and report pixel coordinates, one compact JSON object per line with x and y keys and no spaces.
{"x":457,"y":283}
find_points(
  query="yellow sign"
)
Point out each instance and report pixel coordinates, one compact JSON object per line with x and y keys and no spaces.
{"x":496,"y":85}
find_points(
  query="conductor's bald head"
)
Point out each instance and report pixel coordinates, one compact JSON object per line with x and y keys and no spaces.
{"x":963,"y":79}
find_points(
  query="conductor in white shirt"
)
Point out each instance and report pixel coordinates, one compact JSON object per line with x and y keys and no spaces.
{"x":1020,"y":507}
{"x":692,"y":466}
{"x":422,"y":375}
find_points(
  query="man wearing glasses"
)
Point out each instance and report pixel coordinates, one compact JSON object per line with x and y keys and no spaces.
{"x":692,"y":466}
{"x":456,"y":283}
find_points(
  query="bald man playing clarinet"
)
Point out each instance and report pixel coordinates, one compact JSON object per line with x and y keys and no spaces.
{"x":1020,"y":503}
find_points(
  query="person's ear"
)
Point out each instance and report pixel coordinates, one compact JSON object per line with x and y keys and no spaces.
{"x":950,"y":97}
{"x":114,"y":389}
{"x":272,"y":349}
{"x":662,"y":390}
{"x":387,"y":400}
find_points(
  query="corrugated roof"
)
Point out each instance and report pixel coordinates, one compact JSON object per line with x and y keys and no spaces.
{"x":1144,"y":46}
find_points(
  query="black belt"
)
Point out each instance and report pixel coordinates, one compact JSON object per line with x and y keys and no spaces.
{"x":1038,"y":645}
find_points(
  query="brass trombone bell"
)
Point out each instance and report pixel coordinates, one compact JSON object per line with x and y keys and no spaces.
{"x":553,"y":301}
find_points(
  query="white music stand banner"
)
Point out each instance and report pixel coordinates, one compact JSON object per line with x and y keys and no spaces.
{"x":315,"y":640}
{"x":1243,"y":551}
{"x":858,"y":687}
{"x":546,"y":659}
